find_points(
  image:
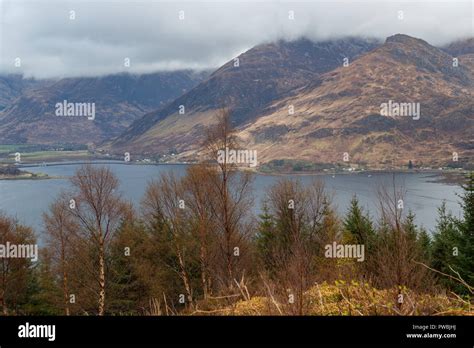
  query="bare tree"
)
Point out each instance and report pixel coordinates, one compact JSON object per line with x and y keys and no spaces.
{"x":198,"y":197}
{"x":60,"y":228}
{"x":164,"y":208}
{"x":98,"y":210}
{"x":232,"y":198}
{"x":295,"y":240}
{"x":397,"y":247}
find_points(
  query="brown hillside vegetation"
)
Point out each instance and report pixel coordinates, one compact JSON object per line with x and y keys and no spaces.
{"x":348,"y":298}
{"x":320,"y":115}
{"x":340,"y":112}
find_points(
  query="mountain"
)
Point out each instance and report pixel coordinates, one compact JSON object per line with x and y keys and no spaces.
{"x":463,"y":50}
{"x":342,"y":111}
{"x":13,"y":85}
{"x":337,"y":108}
{"x":264,"y":74}
{"x":460,"y":47}
{"x":118,"y":100}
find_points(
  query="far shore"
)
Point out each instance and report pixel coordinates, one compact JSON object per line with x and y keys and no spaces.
{"x":28,"y":176}
{"x":442,"y":175}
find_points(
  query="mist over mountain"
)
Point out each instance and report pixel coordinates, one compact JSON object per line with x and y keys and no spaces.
{"x":460,"y":47}
{"x":56,"y":39}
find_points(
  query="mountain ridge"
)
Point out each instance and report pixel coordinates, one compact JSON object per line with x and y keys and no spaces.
{"x":119,"y":99}
{"x":244,"y":90}
{"x":335,"y":87}
{"x":338,"y":111}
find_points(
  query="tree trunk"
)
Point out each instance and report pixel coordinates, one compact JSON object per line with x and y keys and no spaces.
{"x":2,"y":294}
{"x":101,"y":278}
{"x":65,"y":279}
{"x":227,"y":232}
{"x":184,"y":275}
{"x":66,"y":293}
{"x":203,"y":264}
{"x":3,"y":304}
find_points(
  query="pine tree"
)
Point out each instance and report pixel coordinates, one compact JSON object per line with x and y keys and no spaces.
{"x":265,"y":237}
{"x":418,"y":237}
{"x":447,"y":241}
{"x":425,"y":244}
{"x":466,"y":232}
{"x":453,"y":246}
{"x":330,"y":226}
{"x":43,"y":294}
{"x":409,"y":225}
{"x":128,"y":291}
{"x":358,"y":226}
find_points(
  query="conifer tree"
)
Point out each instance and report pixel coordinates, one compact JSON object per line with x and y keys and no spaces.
{"x":465,"y":261}
{"x":266,"y":237}
{"x":358,"y":225}
{"x":445,"y":248}
{"x":453,"y":246}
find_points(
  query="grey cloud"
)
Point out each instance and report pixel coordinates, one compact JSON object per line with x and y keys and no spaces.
{"x":152,"y":36}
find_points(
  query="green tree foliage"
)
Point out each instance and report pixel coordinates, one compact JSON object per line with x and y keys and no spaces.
{"x":466,"y":230}
{"x":129,"y":285}
{"x":293,"y":229}
{"x":44,"y":296}
{"x":453,"y":246}
{"x":17,"y":276}
{"x":418,"y":237}
{"x":358,"y":226}
{"x":265,"y":238}
{"x":445,"y":249}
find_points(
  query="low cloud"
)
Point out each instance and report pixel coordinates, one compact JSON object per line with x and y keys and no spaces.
{"x":154,"y":37}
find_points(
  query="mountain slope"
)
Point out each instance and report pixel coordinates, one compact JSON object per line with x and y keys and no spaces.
{"x":341,"y":112}
{"x":337,"y":108}
{"x":119,"y":100}
{"x":13,"y":85}
{"x":264,"y":74}
{"x":460,"y":47}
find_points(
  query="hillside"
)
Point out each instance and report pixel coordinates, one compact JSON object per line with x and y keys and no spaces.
{"x":265,"y":74}
{"x":337,"y":109}
{"x":341,"y":112}
{"x":29,"y":113}
{"x":12,"y":86}
{"x":460,"y":47}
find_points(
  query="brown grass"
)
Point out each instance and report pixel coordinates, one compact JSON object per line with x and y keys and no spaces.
{"x":356,"y":299}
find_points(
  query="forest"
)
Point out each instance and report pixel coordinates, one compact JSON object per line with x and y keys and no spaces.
{"x":194,"y":247}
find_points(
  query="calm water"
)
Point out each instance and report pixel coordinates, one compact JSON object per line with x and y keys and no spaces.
{"x":28,"y":199}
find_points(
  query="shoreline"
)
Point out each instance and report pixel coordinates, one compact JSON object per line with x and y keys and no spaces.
{"x":445,"y":176}
{"x":29,"y":176}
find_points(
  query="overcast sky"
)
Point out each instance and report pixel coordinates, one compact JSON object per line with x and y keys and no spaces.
{"x":152,"y":35}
